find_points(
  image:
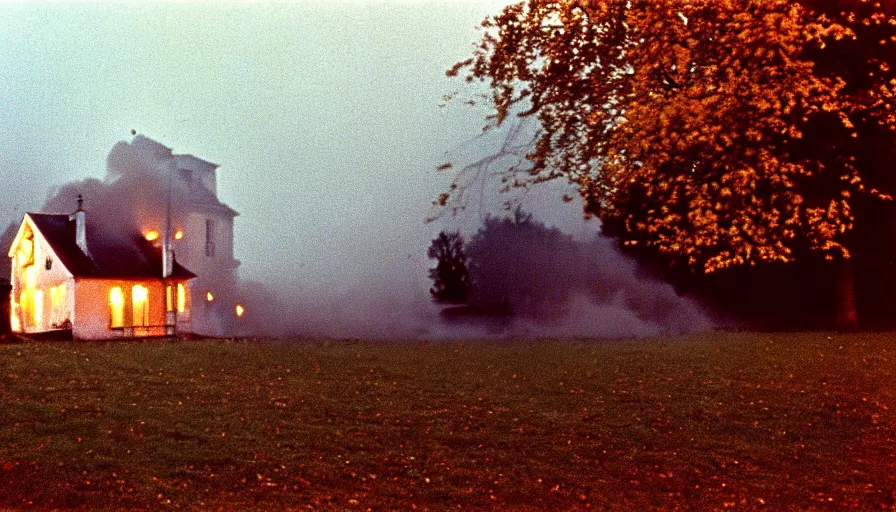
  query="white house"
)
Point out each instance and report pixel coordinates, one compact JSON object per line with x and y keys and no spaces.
{"x":66,"y":278}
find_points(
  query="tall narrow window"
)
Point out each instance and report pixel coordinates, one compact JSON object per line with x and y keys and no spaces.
{"x":210,"y":238}
{"x":26,"y":300}
{"x":140,"y":302}
{"x":38,"y":308}
{"x":169,"y":298}
{"x":181,"y":298}
{"x":57,"y":306}
{"x":116,"y":307}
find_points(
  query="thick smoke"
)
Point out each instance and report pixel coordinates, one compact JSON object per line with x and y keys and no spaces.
{"x":530,"y":280}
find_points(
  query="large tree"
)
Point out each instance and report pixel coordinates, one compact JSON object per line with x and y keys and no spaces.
{"x":708,"y":131}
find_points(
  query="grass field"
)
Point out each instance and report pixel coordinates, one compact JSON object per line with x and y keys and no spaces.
{"x":714,"y":421}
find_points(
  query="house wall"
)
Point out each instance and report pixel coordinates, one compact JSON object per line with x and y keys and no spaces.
{"x":93,"y":311}
{"x":42,"y":297}
{"x":216,"y":271}
{"x":202,"y":172}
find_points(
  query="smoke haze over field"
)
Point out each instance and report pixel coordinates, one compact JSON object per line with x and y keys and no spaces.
{"x":325,"y":121}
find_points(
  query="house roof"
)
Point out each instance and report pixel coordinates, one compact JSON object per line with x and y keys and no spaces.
{"x":199,"y":197}
{"x":112,"y":255}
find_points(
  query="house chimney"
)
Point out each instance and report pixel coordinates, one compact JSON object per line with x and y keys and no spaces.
{"x":80,"y":219}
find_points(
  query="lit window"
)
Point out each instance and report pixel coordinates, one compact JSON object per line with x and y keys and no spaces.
{"x":30,"y":277}
{"x":140,"y":303}
{"x":38,"y":307}
{"x":56,"y":297}
{"x":26,"y":301}
{"x":181,"y":298}
{"x":169,"y":298}
{"x":57,"y":313}
{"x":116,"y":304}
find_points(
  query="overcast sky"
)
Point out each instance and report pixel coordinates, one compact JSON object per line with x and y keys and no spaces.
{"x":323,"y":116}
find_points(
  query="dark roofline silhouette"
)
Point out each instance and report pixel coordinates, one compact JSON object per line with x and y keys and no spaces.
{"x":112,"y":255}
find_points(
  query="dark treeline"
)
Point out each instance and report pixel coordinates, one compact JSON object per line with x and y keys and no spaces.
{"x":517,"y":268}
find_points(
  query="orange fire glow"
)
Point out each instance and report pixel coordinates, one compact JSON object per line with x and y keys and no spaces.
{"x":152,"y":235}
{"x":178,"y":235}
{"x":240,"y":310}
{"x":209,"y":297}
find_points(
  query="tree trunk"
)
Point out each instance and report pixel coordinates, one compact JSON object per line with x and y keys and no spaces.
{"x":847,"y":317}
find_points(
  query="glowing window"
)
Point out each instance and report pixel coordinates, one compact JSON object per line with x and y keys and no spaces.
{"x":116,"y":304}
{"x":57,"y":311}
{"x":181,"y":298}
{"x":30,"y":277}
{"x":169,"y":298}
{"x":140,"y":302}
{"x":26,"y":300}
{"x":38,"y":307}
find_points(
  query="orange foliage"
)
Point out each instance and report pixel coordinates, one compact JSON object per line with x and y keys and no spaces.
{"x":683,"y":123}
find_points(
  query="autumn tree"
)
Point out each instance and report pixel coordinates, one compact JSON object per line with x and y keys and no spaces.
{"x":705,"y":131}
{"x":450,"y":276}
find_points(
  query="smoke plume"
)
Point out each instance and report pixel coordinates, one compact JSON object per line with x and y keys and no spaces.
{"x":529,"y":280}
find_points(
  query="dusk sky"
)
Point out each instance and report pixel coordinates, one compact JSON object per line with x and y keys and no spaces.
{"x":324,"y":116}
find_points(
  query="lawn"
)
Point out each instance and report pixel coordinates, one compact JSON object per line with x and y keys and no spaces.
{"x":739,"y":420}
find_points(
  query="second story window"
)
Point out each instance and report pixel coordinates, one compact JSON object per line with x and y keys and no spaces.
{"x":210,"y":238}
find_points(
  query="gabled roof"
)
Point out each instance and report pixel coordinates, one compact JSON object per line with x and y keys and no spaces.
{"x":112,"y":255}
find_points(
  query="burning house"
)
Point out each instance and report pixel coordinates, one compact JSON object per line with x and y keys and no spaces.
{"x":151,"y":203}
{"x":198,"y":226}
{"x":111,"y":286}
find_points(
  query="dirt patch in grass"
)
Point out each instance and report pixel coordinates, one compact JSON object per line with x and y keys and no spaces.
{"x":713,"y":421}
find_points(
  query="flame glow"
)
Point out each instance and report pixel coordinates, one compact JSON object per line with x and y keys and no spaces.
{"x":152,"y":235}
{"x":181,"y":298}
{"x":14,"y":323}
{"x":178,"y":235}
{"x":240,"y":310}
{"x":38,"y":307}
{"x":209,"y":297}
{"x":116,"y":303}
{"x":140,"y":305}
